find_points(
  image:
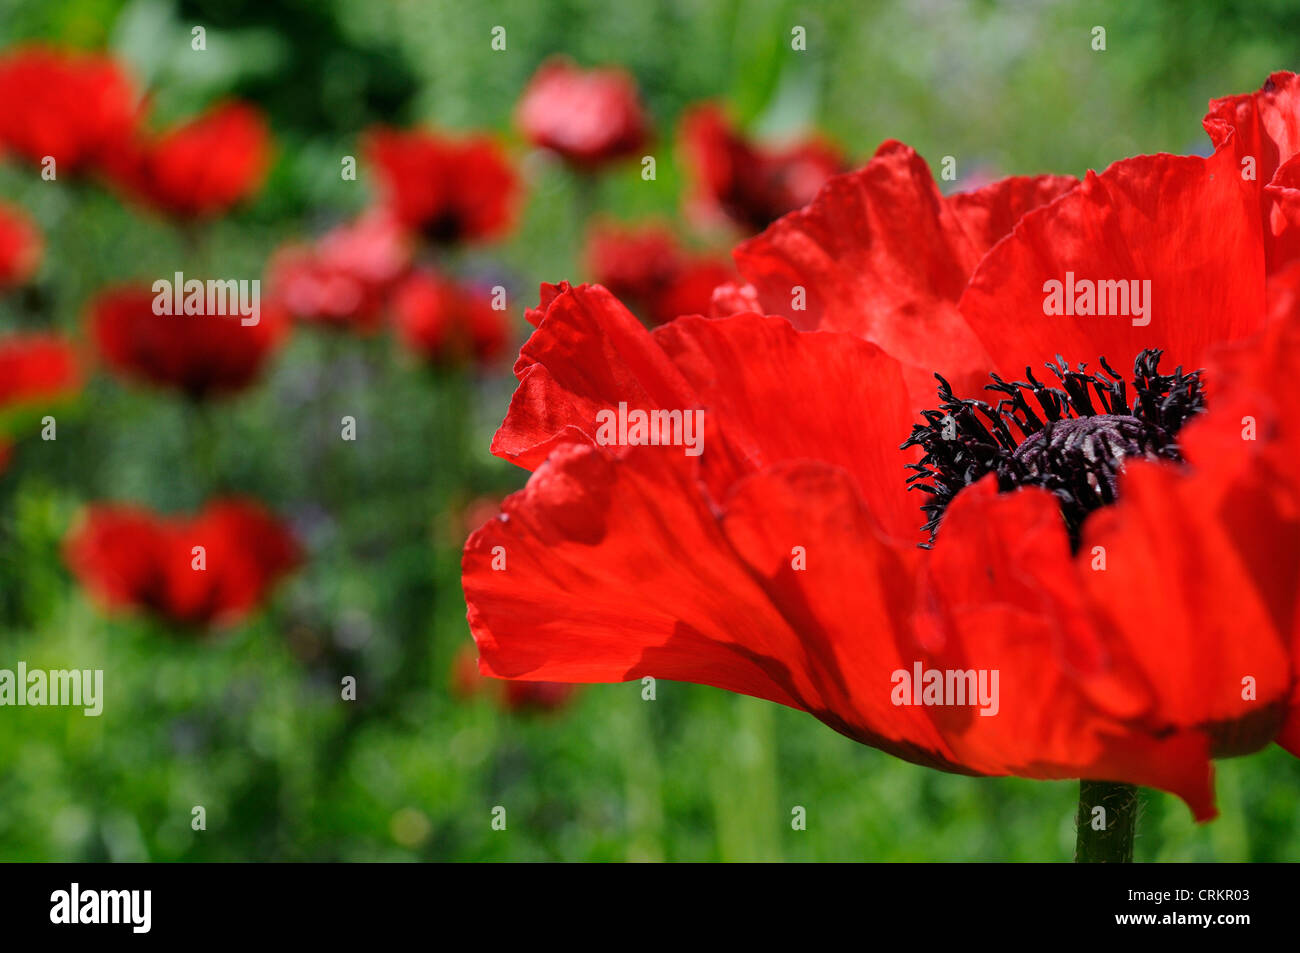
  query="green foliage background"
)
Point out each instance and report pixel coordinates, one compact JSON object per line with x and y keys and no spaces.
{"x":251,"y":725}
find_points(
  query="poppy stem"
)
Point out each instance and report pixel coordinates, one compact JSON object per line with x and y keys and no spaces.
{"x":1106,"y":823}
{"x":203,"y":445}
{"x":585,"y":203}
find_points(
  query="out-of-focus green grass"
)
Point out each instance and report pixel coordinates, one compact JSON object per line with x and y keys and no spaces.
{"x":251,"y":726}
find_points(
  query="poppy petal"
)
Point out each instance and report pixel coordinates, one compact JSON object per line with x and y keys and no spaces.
{"x":1204,"y":264}
{"x":768,"y":392}
{"x":1002,"y":596}
{"x":1179,"y":594}
{"x":608,"y":570}
{"x":1261,"y":130}
{"x":882,"y":255}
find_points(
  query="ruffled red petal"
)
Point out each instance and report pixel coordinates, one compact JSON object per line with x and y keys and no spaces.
{"x":1261,"y":130}
{"x":609,"y":569}
{"x":1001,"y":594}
{"x":769,"y":393}
{"x":613,"y":569}
{"x":1204,"y":262}
{"x":882,"y":255}
{"x":1244,"y":453}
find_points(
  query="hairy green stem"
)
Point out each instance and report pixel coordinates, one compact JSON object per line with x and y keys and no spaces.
{"x":1105,"y":836}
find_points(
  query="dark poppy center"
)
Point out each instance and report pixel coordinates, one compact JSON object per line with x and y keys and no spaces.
{"x":445,"y":228}
{"x":1072,"y":439}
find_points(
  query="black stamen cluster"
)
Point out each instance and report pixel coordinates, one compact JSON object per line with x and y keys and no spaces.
{"x":1071,"y":439}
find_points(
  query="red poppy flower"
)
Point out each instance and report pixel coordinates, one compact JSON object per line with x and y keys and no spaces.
{"x":467,"y":683}
{"x":691,"y":290}
{"x":447,"y":323}
{"x":448,"y":190}
{"x":1064,"y":566}
{"x":36,"y":370}
{"x":345,"y":278}
{"x":130,"y":557}
{"x":20,"y":247}
{"x":75,"y":107}
{"x":589,"y":117}
{"x":36,"y":367}
{"x":634,"y":262}
{"x":201,"y":355}
{"x":200,"y":168}
{"x":645,"y":267}
{"x":749,"y":184}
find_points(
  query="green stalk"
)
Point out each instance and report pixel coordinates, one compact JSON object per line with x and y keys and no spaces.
{"x":1105,"y":838}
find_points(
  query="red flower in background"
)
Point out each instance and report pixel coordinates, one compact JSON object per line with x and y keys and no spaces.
{"x":36,"y":370}
{"x":467,"y":683}
{"x":750,"y":184}
{"x":345,"y":278}
{"x":77,"y":108}
{"x":201,"y":355}
{"x":633,"y":262}
{"x":200,"y":168}
{"x":448,"y":323}
{"x":646,"y":267}
{"x":36,"y":367}
{"x":691,"y":290}
{"x":448,"y":190}
{"x":589,"y":117}
{"x":130,"y":557}
{"x":20,"y":247}
{"x":782,"y":562}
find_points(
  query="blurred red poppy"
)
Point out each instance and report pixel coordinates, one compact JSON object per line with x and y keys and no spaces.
{"x":345,"y":278}
{"x":467,"y":683}
{"x":749,"y":184}
{"x":634,"y":262}
{"x":75,"y":107}
{"x":201,"y":355}
{"x":209,"y":570}
{"x":37,"y":370}
{"x":589,"y":117}
{"x":36,"y":367}
{"x":200,"y":168}
{"x":691,"y":288}
{"x":20,"y":247}
{"x":446,"y":189}
{"x":447,"y":323}
{"x":1069,"y":525}
{"x":647,"y":268}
